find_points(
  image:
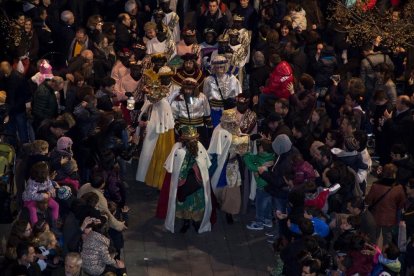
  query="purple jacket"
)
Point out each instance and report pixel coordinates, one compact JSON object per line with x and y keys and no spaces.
{"x":34,"y":190}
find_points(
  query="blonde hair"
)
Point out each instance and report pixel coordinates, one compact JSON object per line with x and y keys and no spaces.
{"x":39,"y":146}
{"x":45,"y":238}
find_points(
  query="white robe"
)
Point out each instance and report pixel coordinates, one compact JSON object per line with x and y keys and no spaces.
{"x":220,"y":144}
{"x":173,"y":166}
{"x":161,"y":121}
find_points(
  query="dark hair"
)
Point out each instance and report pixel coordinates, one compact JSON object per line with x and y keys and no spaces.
{"x":97,"y":180}
{"x":380,"y":95}
{"x":325,"y":151}
{"x":107,"y":81}
{"x":283,"y":102}
{"x":306,"y":227}
{"x":307,"y":81}
{"x":357,"y":202}
{"x":296,"y":198}
{"x":337,"y":136}
{"x":23,"y":249}
{"x":351,"y":121}
{"x":17,"y":15}
{"x":399,"y":149}
{"x":300,"y":126}
{"x":39,"y":172}
{"x":362,"y":138}
{"x":367,"y":47}
{"x":334,"y":175}
{"x":354,"y":221}
{"x":59,"y":123}
{"x":90,"y":199}
{"x":313,"y":264}
{"x":392,"y":251}
{"x":81,"y":30}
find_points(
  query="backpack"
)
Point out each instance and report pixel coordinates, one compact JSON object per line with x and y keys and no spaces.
{"x":373,"y":83}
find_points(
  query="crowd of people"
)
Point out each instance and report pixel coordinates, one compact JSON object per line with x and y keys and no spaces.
{"x":228,"y":106}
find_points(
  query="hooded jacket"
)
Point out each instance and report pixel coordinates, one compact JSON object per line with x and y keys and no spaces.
{"x":279,"y":80}
{"x":277,"y":187}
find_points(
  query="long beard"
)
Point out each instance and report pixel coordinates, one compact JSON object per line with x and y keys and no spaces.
{"x":192,"y":147}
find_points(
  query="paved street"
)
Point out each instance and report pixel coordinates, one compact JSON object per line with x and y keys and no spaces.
{"x":227,"y":250}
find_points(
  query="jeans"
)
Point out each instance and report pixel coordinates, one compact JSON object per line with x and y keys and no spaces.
{"x":279,"y":204}
{"x":18,"y":125}
{"x":263,"y":206}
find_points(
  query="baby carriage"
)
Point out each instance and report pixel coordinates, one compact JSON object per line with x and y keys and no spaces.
{"x":7,"y":187}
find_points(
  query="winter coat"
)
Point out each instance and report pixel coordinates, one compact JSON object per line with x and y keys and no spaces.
{"x":44,"y":103}
{"x":399,"y":129}
{"x":279,"y":80}
{"x":17,"y":92}
{"x":217,"y":21}
{"x":277,"y":186}
{"x":385,"y":211}
{"x":102,"y":206}
{"x":35,"y":190}
{"x":353,"y":159}
{"x":304,"y":172}
{"x":303,"y":103}
{"x":123,"y":37}
{"x":95,"y":253}
{"x":257,"y":79}
{"x":324,"y":67}
{"x":368,"y":72}
{"x":405,"y":170}
{"x":86,"y":119}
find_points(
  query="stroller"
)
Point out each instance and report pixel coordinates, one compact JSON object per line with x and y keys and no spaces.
{"x":7,"y":186}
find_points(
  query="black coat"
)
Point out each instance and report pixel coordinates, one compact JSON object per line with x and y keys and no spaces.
{"x":218,"y":22}
{"x":122,"y":37}
{"x":17,"y":91}
{"x":399,"y":129}
{"x":258,"y":78}
{"x":64,"y":38}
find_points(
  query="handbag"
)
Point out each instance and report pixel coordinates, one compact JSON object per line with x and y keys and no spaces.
{"x":371,"y":207}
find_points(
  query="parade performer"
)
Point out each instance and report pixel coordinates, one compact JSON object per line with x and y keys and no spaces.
{"x":191,"y":108}
{"x":189,"y":69}
{"x":189,"y":197}
{"x":169,"y":18}
{"x":227,"y":144}
{"x":159,"y":132}
{"x":189,"y":45}
{"x":220,"y":88}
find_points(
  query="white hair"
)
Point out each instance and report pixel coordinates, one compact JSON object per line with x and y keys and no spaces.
{"x":75,"y":256}
{"x":130,"y":5}
{"x":65,"y":15}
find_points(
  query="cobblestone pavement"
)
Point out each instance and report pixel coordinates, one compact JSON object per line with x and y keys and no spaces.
{"x":226,"y":250}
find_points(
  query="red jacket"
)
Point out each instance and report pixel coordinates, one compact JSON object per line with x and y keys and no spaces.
{"x":279,"y":80}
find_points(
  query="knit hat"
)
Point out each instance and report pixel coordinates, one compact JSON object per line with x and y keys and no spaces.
{"x":351,"y":143}
{"x":64,"y":193}
{"x":45,"y":73}
{"x":259,"y":59}
{"x":281,"y":144}
{"x":64,"y":143}
{"x":3,"y":97}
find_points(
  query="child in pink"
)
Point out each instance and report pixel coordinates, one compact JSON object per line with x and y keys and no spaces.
{"x":39,"y":187}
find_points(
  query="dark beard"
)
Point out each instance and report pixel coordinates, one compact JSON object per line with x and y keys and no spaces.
{"x":192,"y":147}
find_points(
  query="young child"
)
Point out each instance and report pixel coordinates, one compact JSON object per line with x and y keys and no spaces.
{"x":40,"y":187}
{"x":47,"y":245}
{"x":116,"y":236}
{"x":263,"y":199}
{"x":303,"y":170}
{"x":62,"y":160}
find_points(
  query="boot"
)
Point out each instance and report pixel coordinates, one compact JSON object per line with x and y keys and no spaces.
{"x":229,"y":219}
{"x":185,"y":226}
{"x":196,"y":225}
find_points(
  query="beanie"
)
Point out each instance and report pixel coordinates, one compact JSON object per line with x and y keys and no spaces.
{"x":64,"y":193}
{"x":64,"y":143}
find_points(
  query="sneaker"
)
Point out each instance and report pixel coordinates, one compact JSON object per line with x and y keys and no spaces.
{"x":269,"y":234}
{"x":271,"y":240}
{"x":255,"y":226}
{"x":268,"y":224}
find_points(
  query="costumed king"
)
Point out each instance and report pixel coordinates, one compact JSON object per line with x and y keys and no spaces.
{"x":189,"y":197}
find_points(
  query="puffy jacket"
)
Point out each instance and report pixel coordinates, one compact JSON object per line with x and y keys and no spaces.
{"x":44,"y":104}
{"x":279,"y":80}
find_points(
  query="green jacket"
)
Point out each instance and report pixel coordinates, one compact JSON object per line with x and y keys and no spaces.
{"x":254,"y":161}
